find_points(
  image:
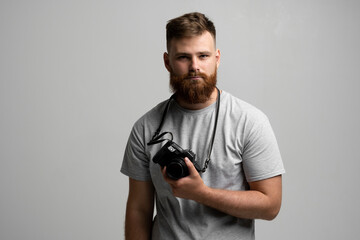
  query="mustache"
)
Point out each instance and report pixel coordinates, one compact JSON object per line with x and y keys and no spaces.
{"x":192,"y":74}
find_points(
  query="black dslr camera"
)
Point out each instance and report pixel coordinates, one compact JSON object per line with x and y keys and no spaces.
{"x":172,"y":156}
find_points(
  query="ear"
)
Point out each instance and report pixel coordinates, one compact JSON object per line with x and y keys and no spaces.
{"x":166,"y":61}
{"x":217,"y":56}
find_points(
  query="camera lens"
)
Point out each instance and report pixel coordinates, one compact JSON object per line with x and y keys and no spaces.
{"x":177,"y":169}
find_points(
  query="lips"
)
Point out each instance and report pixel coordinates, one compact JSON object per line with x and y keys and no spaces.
{"x":194,"y":77}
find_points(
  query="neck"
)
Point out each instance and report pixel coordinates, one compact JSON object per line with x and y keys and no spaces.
{"x":198,"y":106}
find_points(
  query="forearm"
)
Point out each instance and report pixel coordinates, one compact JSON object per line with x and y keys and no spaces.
{"x":262,"y":201}
{"x":139,"y":210}
{"x":249,"y":204}
{"x":138,"y":225}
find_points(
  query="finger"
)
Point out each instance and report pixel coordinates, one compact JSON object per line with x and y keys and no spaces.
{"x":191,"y":167}
{"x":166,"y":177}
{"x":163,"y":171}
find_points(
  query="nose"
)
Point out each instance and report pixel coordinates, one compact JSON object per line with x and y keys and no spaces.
{"x":194,"y":64}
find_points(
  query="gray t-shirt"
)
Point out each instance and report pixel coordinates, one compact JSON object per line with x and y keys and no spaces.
{"x":245,"y":150}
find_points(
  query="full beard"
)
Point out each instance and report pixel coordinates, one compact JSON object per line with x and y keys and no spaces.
{"x":193,"y":91}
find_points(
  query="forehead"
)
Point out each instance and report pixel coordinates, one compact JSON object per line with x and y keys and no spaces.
{"x":202,"y":43}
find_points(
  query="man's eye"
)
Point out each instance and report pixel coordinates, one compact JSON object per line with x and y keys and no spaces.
{"x":204,"y":56}
{"x":182,"y":57}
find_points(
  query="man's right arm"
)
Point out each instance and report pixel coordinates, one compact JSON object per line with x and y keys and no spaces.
{"x":139,"y":210}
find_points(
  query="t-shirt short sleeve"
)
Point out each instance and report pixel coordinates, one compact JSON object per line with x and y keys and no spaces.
{"x":261,"y":156}
{"x":135,"y":162}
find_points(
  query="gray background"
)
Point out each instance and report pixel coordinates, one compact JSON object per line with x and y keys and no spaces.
{"x":75,"y":75}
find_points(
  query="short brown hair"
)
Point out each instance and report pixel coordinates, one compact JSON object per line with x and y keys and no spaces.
{"x":188,"y":25}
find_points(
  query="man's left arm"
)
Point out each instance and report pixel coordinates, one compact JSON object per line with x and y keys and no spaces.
{"x":261,"y":201}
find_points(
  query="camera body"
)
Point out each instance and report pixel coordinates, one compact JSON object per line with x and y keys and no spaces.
{"x":172,"y":157}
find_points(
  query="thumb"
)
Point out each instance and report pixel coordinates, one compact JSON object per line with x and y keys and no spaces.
{"x":191,"y":167}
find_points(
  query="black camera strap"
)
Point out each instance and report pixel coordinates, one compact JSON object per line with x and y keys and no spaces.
{"x":214,"y":132}
{"x":157,"y":138}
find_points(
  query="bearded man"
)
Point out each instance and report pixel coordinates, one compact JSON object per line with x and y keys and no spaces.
{"x":231,"y":176}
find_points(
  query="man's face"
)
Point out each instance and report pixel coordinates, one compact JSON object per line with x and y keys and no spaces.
{"x":192,"y":63}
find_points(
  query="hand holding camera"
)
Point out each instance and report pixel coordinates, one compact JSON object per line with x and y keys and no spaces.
{"x":172,"y":157}
{"x":190,"y":187}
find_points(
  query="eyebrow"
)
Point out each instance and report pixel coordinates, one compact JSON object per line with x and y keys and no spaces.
{"x":188,"y":54}
{"x":182,"y":54}
{"x":205,"y":52}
